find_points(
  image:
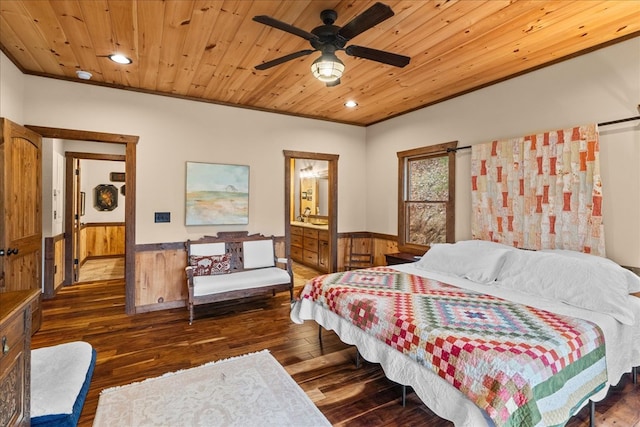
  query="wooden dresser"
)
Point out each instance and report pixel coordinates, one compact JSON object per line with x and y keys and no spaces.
{"x":15,"y":356}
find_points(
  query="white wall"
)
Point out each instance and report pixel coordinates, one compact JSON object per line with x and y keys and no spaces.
{"x":92,"y":174}
{"x":11,"y":91}
{"x":600,"y":86}
{"x":93,"y":147}
{"x":52,"y":187}
{"x":174,"y":131}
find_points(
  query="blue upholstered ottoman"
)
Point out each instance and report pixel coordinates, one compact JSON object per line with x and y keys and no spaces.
{"x":60,"y":378}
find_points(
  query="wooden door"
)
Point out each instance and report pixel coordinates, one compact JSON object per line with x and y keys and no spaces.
{"x":20,"y":208}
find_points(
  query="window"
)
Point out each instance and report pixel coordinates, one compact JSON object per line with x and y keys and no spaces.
{"x":426,"y":197}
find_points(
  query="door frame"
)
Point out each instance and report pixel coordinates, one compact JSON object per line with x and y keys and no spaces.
{"x":333,"y":201}
{"x":131,"y":142}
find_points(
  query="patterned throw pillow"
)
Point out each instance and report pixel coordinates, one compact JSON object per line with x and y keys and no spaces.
{"x":206,"y":265}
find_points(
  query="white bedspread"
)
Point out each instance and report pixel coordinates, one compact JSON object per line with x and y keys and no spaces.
{"x":57,"y":375}
{"x":445,"y":400}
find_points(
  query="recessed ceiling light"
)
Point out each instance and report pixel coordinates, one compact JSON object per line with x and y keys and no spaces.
{"x":351,"y":104}
{"x":120,"y":59}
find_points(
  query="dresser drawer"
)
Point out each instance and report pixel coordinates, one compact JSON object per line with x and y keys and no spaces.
{"x":296,"y":240}
{"x":12,"y":335}
{"x":310,"y":232}
{"x":310,"y":244}
{"x":311,"y":257}
{"x":296,"y":253}
{"x":297,"y":231}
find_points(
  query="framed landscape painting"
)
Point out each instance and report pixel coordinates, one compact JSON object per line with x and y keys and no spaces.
{"x":217,"y":194}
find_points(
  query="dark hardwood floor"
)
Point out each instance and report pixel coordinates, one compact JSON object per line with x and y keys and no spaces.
{"x":132,"y":348}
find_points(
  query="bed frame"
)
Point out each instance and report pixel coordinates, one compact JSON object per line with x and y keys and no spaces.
{"x":321,"y":320}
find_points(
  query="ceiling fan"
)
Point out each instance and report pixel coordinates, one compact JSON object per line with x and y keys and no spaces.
{"x":329,"y":38}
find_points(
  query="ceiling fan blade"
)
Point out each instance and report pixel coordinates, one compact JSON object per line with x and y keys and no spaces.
{"x":378,"y":55}
{"x":283,"y":59}
{"x":367,"y":19}
{"x":267,"y":20}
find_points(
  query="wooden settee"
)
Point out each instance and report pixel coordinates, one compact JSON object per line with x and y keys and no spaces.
{"x":234,"y":265}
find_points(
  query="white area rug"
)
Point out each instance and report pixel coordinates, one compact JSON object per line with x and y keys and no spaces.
{"x":249,"y":390}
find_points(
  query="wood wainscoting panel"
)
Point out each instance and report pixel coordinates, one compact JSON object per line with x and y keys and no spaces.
{"x":82,"y":250}
{"x":382,"y":244}
{"x":160,"y":277}
{"x":343,"y":247}
{"x":53,"y":272}
{"x":58,"y":257}
{"x":103,"y":239}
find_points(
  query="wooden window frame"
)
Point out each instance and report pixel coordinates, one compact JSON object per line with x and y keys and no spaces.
{"x":446,"y":149}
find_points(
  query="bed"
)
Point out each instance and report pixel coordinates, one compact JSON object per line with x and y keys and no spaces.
{"x":487,"y":334}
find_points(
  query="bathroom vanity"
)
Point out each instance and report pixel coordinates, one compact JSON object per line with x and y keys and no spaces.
{"x":310,"y":245}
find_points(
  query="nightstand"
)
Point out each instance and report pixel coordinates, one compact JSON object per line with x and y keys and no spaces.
{"x":401,"y":258}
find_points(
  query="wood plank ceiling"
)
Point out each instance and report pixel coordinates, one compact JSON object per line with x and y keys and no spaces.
{"x":207,"y":50}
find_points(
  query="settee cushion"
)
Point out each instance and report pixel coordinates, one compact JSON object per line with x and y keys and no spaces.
{"x":258,"y":253}
{"x":215,"y":248}
{"x":207,"y":285}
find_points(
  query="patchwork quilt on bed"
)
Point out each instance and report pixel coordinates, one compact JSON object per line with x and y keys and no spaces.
{"x":523,"y":366}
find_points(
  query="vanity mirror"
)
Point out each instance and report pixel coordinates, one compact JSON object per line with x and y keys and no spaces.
{"x":311,"y":187}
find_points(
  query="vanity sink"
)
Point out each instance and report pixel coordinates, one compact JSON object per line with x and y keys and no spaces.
{"x":316,"y":225}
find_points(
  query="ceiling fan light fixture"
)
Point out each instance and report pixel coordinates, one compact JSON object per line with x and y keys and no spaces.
{"x":120,"y":59}
{"x":328,"y":68}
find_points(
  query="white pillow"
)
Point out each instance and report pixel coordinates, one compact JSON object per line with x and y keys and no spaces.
{"x":477,"y":262}
{"x":571,"y":280}
{"x":632,"y":279}
{"x":484,"y":244}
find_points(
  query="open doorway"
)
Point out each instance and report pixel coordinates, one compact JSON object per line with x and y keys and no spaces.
{"x":129,"y":141}
{"x":312,"y":250}
{"x":98,"y":201}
